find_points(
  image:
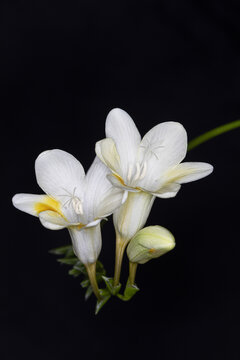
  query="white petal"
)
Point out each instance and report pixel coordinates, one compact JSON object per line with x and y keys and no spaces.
{"x":133,"y":214}
{"x":125,"y":196}
{"x":52,"y":220}
{"x":189,"y":171}
{"x":122,"y":129}
{"x":87,"y":243}
{"x":59,"y":174}
{"x":35,"y":204}
{"x":27,"y":202}
{"x":111,"y":200}
{"x":93,"y":223}
{"x":180,"y":174}
{"x":101,"y":198}
{"x":164,"y":146}
{"x":168,"y":191}
{"x":118,"y":182}
{"x":107,"y":153}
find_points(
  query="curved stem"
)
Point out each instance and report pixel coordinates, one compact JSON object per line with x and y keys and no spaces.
{"x":91,"y":270}
{"x":132,"y":272}
{"x":120,"y":247}
{"x":212,"y":133}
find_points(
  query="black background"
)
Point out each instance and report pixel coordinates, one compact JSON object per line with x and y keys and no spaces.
{"x":66,"y":65}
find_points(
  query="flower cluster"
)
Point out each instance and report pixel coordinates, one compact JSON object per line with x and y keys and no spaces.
{"x":125,"y":178}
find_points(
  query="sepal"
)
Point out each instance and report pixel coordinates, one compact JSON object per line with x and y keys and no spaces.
{"x":85,"y":283}
{"x":105,"y":296}
{"x":129,"y":292}
{"x":88,"y":293}
{"x":114,"y":290}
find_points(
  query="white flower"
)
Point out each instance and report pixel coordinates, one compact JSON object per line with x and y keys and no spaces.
{"x":147,"y":168}
{"x":73,"y":200}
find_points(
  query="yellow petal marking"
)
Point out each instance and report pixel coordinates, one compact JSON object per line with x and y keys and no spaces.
{"x":119,"y":178}
{"x":48,"y":203}
{"x":80,"y":226}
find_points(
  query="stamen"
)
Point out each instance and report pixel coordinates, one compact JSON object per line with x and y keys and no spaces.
{"x":77,"y":206}
{"x":67,"y":191}
{"x":67,"y":202}
{"x":144,"y":170}
{"x":80,"y":208}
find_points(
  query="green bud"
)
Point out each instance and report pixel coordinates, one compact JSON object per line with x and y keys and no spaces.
{"x":148,"y":243}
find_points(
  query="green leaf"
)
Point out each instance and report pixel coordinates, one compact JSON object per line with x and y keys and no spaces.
{"x":61,"y":250}
{"x":100,"y":303}
{"x":68,"y":261}
{"x":100,"y":267}
{"x":85,"y":283}
{"x":70,"y":253}
{"x":88,"y":293}
{"x":74,"y":272}
{"x":129,"y":292}
{"x":80,"y":267}
{"x":114,"y":290}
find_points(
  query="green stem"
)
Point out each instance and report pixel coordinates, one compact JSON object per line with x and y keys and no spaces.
{"x":120,"y":247}
{"x":132,"y":272}
{"x":212,"y":133}
{"x":91,"y":270}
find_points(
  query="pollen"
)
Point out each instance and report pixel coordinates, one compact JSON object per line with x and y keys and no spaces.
{"x":151,"y":251}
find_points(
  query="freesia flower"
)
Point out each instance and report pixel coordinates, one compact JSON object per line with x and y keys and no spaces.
{"x":73,"y":200}
{"x":148,"y":243}
{"x":147,"y":168}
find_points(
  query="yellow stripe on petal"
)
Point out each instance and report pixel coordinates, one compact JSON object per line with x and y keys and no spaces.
{"x":80,"y":226}
{"x":119,"y":179}
{"x":35,"y":204}
{"x":48,"y":203}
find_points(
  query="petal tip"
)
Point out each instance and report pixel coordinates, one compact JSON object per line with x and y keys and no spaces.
{"x":116,"y":111}
{"x":43,"y":153}
{"x":15,"y":199}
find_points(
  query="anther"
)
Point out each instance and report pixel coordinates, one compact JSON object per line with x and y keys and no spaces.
{"x":77,"y":206}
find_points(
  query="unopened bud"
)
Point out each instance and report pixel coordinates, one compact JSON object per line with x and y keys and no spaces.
{"x":148,"y":243}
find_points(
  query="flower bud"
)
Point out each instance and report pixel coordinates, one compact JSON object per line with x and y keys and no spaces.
{"x":148,"y":243}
